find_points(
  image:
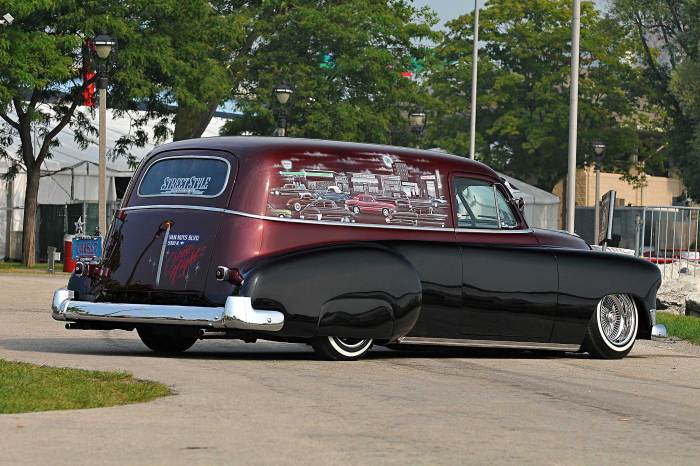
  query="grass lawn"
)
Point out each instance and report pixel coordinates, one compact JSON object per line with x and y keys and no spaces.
{"x":28,"y":387}
{"x":17,"y":267}
{"x":685,"y":327}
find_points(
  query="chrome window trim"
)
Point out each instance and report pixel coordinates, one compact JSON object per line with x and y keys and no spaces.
{"x":316,"y":222}
{"x":179,"y":157}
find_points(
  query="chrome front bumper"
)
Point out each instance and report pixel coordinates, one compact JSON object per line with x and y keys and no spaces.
{"x":237,"y":313}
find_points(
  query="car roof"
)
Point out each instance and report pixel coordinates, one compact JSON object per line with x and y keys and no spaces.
{"x":253,"y":146}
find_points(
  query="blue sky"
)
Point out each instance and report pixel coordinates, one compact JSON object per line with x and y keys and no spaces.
{"x":450,"y":9}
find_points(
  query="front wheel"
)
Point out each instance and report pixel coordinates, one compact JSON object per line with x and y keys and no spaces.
{"x":613,"y":327}
{"x":341,"y":349}
{"x":165,"y":342}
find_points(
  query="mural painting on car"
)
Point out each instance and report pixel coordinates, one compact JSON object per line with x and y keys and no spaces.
{"x":367,"y":188}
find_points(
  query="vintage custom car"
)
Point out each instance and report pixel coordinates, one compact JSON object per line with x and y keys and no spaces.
{"x":326,"y":210}
{"x":299,"y":201}
{"x":289,"y":189}
{"x":282,"y":213}
{"x":196,"y":252}
{"x":364,"y":203}
{"x":332,"y":193}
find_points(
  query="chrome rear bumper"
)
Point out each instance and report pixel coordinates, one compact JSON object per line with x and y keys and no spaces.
{"x":237,"y":313}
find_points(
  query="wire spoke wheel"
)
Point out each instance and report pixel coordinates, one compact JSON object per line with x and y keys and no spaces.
{"x":617,"y":317}
{"x":613,"y":327}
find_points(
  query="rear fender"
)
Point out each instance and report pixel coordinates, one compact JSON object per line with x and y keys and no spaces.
{"x":351,"y":291}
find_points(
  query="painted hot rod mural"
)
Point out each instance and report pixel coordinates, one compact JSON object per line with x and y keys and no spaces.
{"x":392,"y":191}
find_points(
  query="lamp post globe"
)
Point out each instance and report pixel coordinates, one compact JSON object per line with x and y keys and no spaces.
{"x":598,"y":147}
{"x":417,"y":119}
{"x":282,"y":92}
{"x":103,"y":45}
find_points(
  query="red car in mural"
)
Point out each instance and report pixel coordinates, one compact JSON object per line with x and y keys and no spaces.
{"x":203,"y":248}
{"x":366,"y":204}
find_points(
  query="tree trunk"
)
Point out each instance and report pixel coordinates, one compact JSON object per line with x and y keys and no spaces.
{"x":191,"y":122}
{"x":31,"y":195}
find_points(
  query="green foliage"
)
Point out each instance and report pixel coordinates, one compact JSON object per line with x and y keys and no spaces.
{"x":523,"y":97}
{"x":28,"y":387}
{"x":668,"y":38}
{"x":361,"y":96}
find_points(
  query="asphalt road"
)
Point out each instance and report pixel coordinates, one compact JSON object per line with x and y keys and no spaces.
{"x":271,"y":403}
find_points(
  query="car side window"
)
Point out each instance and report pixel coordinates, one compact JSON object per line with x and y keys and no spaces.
{"x":480,"y":205}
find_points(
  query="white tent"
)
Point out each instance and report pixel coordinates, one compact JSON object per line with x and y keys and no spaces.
{"x":541,"y":207}
{"x":71,"y":174}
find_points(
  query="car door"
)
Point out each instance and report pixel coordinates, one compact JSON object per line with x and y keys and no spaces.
{"x":509,"y":282}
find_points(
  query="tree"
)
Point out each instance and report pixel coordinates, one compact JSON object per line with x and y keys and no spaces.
{"x":193,"y":64}
{"x":41,"y":56}
{"x":344,"y":60}
{"x":668,"y":38}
{"x":524,"y":88}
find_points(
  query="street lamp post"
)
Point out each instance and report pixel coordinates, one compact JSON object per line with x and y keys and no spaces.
{"x":599,"y":149}
{"x":475,"y":64}
{"x":282,"y":93}
{"x":103,"y":49}
{"x":573,"y":118}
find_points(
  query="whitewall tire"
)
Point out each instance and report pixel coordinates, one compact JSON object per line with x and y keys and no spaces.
{"x":341,"y":349}
{"x":613,"y":327}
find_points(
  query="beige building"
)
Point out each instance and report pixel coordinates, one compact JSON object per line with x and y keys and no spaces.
{"x":658,"y":190}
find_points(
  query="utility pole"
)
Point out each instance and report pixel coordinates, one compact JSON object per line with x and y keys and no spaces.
{"x":573,"y":118}
{"x":475,"y":62}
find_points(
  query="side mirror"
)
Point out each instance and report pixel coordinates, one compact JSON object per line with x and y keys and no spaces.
{"x":520,"y":204}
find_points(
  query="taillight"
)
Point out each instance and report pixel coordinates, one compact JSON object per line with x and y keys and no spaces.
{"x":121,"y":215}
{"x":224,"y":274}
{"x":79,"y":268}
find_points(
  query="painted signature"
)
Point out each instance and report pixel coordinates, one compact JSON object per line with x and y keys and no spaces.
{"x":180,"y":261}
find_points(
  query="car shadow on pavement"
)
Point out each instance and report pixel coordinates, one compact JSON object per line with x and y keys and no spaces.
{"x":263,"y":351}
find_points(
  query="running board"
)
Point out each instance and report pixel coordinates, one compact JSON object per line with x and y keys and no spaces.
{"x":529,"y":345}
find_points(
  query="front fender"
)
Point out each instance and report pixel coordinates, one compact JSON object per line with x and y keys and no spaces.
{"x":586,"y":276}
{"x":362,"y":291}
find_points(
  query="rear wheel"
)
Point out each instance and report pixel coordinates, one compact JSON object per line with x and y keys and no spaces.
{"x":613,"y":327}
{"x":167,"y":342}
{"x":356,"y":210}
{"x":341,"y":349}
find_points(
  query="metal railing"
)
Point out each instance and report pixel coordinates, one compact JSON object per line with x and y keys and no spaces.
{"x":669,"y":238}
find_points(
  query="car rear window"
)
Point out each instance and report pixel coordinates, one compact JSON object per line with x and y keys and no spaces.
{"x":186,"y":176}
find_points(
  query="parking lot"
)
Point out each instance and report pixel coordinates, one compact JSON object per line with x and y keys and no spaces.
{"x":266,"y":403}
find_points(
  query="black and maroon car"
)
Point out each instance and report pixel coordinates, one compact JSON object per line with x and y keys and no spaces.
{"x":196,"y":251}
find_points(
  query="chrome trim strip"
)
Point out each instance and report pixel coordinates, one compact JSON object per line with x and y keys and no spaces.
{"x":499,"y":231}
{"x":316,"y":222}
{"x":488,"y":343}
{"x":162,"y":253}
{"x":211,"y":196}
{"x":238,"y":313}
